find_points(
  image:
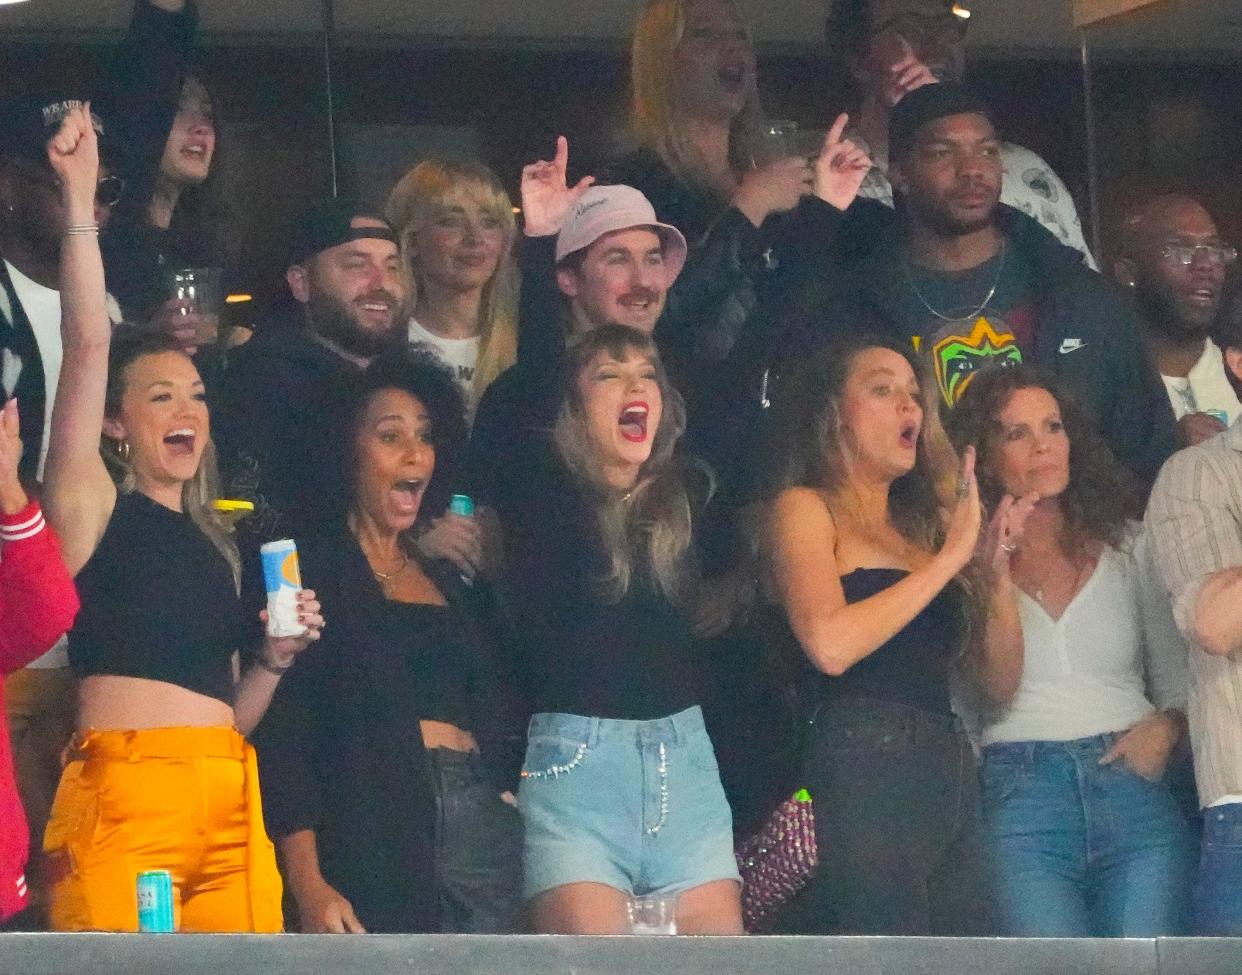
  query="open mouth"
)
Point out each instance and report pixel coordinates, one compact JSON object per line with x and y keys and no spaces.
{"x":407,"y":493}
{"x":732,"y":76}
{"x":1203,"y":297}
{"x":638,"y":301}
{"x":380,"y":309}
{"x":909,"y":436}
{"x":633,"y":421}
{"x":181,"y":442}
{"x":195,"y":150}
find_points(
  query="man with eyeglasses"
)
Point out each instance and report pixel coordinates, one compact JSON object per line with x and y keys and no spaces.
{"x":40,"y":698}
{"x":1173,"y":263}
{"x":892,"y":47}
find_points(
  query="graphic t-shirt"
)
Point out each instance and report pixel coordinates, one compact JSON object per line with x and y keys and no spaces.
{"x":460,"y":355}
{"x":945,"y":316}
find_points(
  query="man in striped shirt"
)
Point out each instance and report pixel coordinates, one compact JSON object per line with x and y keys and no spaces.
{"x":1195,"y":519}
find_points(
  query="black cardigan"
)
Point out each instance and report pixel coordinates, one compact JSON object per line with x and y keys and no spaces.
{"x":341,"y":752}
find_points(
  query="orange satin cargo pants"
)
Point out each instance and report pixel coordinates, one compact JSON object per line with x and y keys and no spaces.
{"x":184,"y":800}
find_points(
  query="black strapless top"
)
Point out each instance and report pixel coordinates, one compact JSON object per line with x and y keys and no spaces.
{"x":913,"y":667}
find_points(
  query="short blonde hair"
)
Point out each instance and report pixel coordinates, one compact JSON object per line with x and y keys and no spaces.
{"x":412,"y":204}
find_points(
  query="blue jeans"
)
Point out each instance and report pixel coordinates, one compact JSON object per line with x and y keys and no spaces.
{"x":1081,"y":849}
{"x":1218,"y":893}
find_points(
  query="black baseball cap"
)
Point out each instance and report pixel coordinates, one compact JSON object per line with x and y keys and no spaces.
{"x":927,"y":104}
{"x":330,"y":223}
{"x":28,"y":121}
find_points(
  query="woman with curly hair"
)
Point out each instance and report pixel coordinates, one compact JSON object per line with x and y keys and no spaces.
{"x":869,"y":567}
{"x":1085,"y":838}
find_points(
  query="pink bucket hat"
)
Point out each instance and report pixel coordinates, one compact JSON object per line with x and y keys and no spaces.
{"x":604,"y":209}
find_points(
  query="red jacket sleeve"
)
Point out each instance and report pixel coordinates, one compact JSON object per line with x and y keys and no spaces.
{"x":37,"y":599}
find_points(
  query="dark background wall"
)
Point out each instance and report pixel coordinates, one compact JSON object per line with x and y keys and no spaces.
{"x":1162,"y":125}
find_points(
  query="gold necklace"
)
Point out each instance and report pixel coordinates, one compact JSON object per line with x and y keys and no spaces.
{"x":385,"y":578}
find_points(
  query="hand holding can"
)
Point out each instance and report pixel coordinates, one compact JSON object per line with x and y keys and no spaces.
{"x":282,"y":577}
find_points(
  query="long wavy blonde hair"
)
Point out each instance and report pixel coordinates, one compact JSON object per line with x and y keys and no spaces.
{"x":656,"y":117}
{"x":645,"y":531}
{"x":414,"y":201}
{"x":199,"y":494}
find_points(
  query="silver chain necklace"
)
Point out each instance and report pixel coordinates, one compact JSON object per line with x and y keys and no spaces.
{"x":1000,"y":268}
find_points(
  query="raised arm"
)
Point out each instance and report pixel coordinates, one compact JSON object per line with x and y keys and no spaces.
{"x":78,"y":493}
{"x":836,"y":635}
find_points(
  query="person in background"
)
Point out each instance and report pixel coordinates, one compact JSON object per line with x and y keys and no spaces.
{"x":1173,"y":262}
{"x":620,"y":793}
{"x":37,"y":605}
{"x":1194,"y":518}
{"x":175,"y":215}
{"x":163,"y":700}
{"x":455,"y":225}
{"x":591,"y":256}
{"x":976,"y":285}
{"x":1085,"y":836}
{"x":386,"y":754}
{"x":756,"y":211}
{"x":345,"y":292}
{"x":891,"y":47}
{"x":868,"y":566}
{"x":39,"y":697}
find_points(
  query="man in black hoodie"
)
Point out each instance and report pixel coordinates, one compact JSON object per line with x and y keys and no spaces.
{"x":975,"y":285}
{"x":345,"y":292}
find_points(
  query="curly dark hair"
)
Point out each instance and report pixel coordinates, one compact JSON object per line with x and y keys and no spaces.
{"x":410,"y":370}
{"x":1101,"y":496}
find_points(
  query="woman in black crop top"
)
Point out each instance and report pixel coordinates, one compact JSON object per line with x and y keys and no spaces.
{"x":384,"y":754}
{"x":620,"y":790}
{"x":159,"y":777}
{"x":867,"y":556}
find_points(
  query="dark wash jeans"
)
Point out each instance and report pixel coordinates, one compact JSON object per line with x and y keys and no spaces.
{"x":1218,"y":891}
{"x":897,"y":822}
{"x":479,"y":849}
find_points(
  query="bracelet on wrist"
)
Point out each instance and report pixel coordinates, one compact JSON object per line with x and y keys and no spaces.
{"x":81,"y":229}
{"x":273,"y":668}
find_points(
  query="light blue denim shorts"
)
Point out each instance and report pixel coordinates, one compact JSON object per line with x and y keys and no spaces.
{"x":636,"y":805}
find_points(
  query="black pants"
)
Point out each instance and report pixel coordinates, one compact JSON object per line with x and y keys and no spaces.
{"x":897,"y":822}
{"x":479,"y":849}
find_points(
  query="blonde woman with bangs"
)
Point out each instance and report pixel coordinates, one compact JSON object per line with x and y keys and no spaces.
{"x":455,"y":225}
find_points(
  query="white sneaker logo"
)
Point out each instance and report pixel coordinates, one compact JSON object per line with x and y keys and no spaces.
{"x":1071,"y":345}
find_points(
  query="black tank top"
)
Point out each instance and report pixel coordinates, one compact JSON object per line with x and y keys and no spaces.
{"x":158,"y":601}
{"x":913,"y":667}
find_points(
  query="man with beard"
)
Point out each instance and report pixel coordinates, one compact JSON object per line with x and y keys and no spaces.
{"x":345,"y":290}
{"x":976,"y":285}
{"x":1174,"y":261}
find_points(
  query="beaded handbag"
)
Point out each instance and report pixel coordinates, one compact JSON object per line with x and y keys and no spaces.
{"x":779,"y":860}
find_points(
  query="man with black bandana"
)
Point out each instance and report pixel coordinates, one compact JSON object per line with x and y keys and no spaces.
{"x":976,"y":285}
{"x":345,"y":290}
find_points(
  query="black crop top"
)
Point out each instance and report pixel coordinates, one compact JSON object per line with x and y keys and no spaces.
{"x":158,"y":601}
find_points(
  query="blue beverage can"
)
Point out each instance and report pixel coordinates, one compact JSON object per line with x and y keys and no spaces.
{"x":282,"y":577}
{"x":461,"y":504}
{"x":155,"y":902}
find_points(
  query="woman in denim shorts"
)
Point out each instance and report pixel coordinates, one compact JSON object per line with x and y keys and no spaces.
{"x":620,"y":792}
{"x":1086,"y":838}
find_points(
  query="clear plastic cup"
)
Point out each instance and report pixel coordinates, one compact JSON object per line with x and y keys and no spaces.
{"x":653,"y":914}
{"x":202,"y":291}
